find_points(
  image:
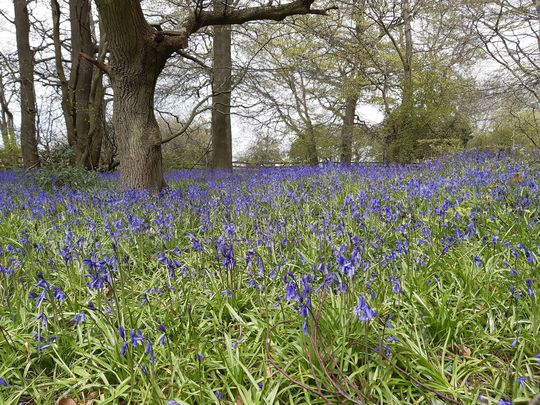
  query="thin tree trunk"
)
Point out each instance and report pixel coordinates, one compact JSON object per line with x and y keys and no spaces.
{"x":311,"y":146}
{"x":67,"y":108}
{"x":97,"y":120}
{"x":28,"y":97}
{"x":347,"y":129}
{"x":8,"y":128}
{"x":407,"y":65}
{"x":81,"y":76}
{"x":537,"y":6}
{"x":401,"y":139}
{"x":221,"y":94}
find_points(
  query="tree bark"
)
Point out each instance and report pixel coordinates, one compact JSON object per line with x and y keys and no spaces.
{"x":401,"y":139}
{"x":138,"y":54}
{"x":221,"y":156}
{"x":81,"y":76}
{"x":537,"y":7}
{"x":98,"y":124}
{"x":9,"y":139}
{"x":347,"y":129}
{"x":407,"y":63}
{"x":67,"y":108}
{"x":311,"y":146}
{"x":28,"y":97}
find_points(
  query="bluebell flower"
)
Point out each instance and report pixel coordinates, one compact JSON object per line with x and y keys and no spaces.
{"x":123,"y":349}
{"x":79,"y":318}
{"x":226,"y":293}
{"x":529,"y":288}
{"x":43,"y":319}
{"x":149,"y":351}
{"x":121,"y":332}
{"x":395,"y":284}
{"x":478,"y":262}
{"x":521,"y":380}
{"x":363,"y":311}
{"x":58,"y":294}
{"x":136,"y":337}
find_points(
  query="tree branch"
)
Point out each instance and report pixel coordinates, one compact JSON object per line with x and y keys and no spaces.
{"x":190,"y":119}
{"x":275,"y":13}
{"x":96,"y":62}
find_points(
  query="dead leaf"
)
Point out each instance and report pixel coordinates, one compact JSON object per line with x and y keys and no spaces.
{"x":107,"y":291}
{"x":464,"y":351}
{"x":67,"y":401}
{"x":517,"y":179}
{"x":90,"y":398}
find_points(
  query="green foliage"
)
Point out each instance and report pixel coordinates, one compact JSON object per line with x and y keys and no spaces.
{"x":57,"y":172}
{"x":437,"y":120}
{"x":326,"y":139}
{"x":9,"y":156}
{"x":191,"y":149}
{"x":510,"y":129}
{"x":261,"y":152}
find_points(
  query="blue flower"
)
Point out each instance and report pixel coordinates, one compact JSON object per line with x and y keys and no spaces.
{"x":121,"y":332}
{"x":395,"y":284}
{"x":363,"y":311}
{"x":79,"y":318}
{"x":478,"y":262}
{"x":3,"y":382}
{"x":136,"y":337}
{"x":149,"y":351}
{"x":58,"y":294}
{"x":515,"y":342}
{"x":123,"y":349}
{"x":521,"y":380}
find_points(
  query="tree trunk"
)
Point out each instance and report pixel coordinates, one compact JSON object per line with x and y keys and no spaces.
{"x":138,"y":54}
{"x":81,"y":76}
{"x":401,"y":138}
{"x":97,"y":120}
{"x":537,"y":6}
{"x":347,"y":129}
{"x":221,"y":94}
{"x":407,"y":64}
{"x":8,"y":128}
{"x":139,"y":138}
{"x":67,"y":108}
{"x":28,"y":97}
{"x":311,"y":146}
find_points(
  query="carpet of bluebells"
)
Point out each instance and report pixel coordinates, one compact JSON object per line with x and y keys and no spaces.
{"x":330,"y":284}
